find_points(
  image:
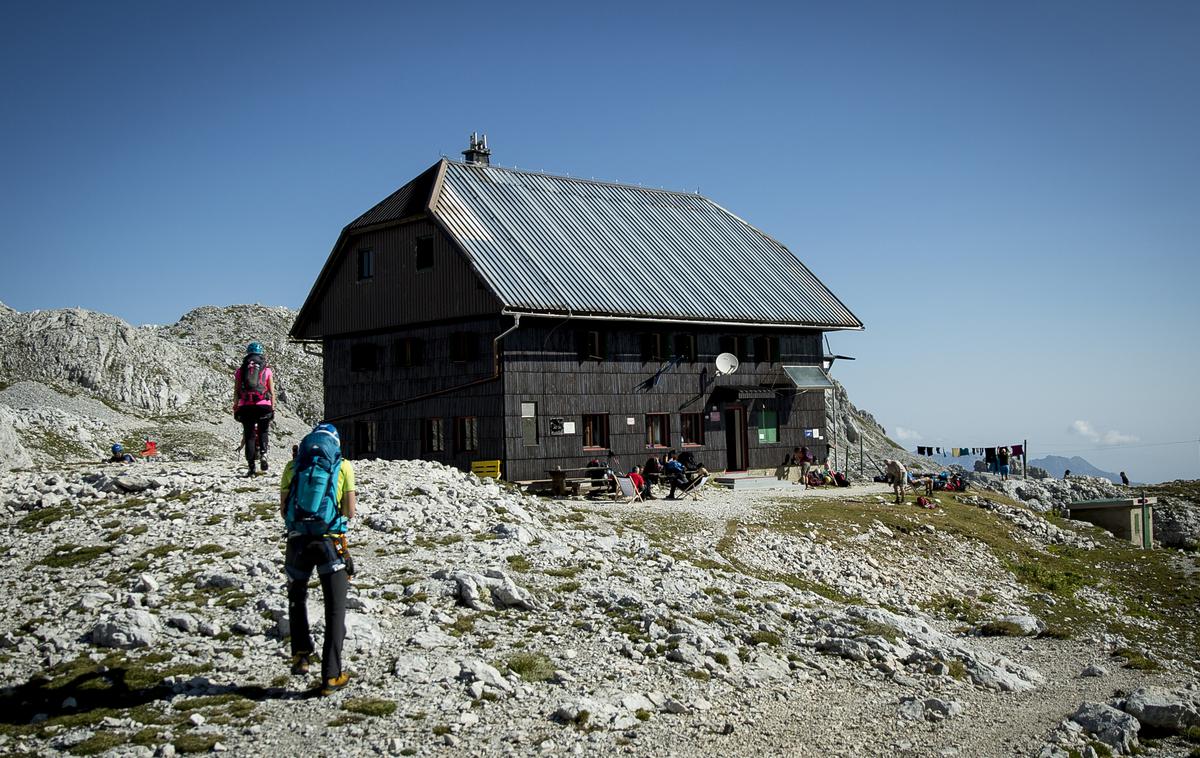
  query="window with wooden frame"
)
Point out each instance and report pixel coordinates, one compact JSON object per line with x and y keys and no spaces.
{"x":529,"y":427}
{"x":433,"y":435}
{"x":652,"y":347}
{"x":733,"y":344}
{"x":658,"y":430}
{"x":766,"y":349}
{"x":464,"y":346}
{"x":685,"y":347}
{"x":595,"y":430}
{"x":590,"y":345}
{"x":408,"y":352}
{"x":366,"y":263}
{"x":364,"y":357}
{"x":424,"y":253}
{"x":691,"y":428}
{"x":466,"y":434}
{"x":364,"y":438}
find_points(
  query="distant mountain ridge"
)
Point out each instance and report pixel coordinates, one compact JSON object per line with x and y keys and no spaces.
{"x":1057,"y":465}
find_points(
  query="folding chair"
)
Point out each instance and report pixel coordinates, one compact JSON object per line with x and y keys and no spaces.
{"x":693,"y":488}
{"x":626,"y":491}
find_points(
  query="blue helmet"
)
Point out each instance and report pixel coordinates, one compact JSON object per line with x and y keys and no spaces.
{"x":117,"y":448}
{"x":254,"y":348}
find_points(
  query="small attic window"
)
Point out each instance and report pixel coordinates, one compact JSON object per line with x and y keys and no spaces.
{"x":366,"y":264}
{"x":424,"y":257}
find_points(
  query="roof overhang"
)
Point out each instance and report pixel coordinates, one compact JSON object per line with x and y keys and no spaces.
{"x":510,"y":311}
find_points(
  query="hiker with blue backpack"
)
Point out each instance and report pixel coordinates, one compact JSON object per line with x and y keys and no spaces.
{"x":317,"y":500}
{"x":254,"y":404}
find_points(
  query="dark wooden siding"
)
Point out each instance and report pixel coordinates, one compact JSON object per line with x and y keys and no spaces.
{"x":398,"y":294}
{"x":386,"y":396}
{"x":542,"y":365}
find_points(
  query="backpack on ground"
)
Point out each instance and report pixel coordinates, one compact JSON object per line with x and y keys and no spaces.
{"x":254,"y":381}
{"x":841,"y":479}
{"x":312,"y":506}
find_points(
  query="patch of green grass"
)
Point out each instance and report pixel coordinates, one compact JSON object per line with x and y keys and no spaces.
{"x":699,"y":674}
{"x":68,"y":555}
{"x":531,"y":667}
{"x":958,"y":669}
{"x":518,"y":562}
{"x":568,"y":587}
{"x":370,"y":706}
{"x":706,"y":616}
{"x":763,"y":636}
{"x":462,"y":625}
{"x":440,"y":730}
{"x":1001,"y":629}
{"x":196,"y":743}
{"x":1136,"y":660}
{"x":721,"y":658}
{"x":1044,"y":575}
{"x":98,"y":743}
{"x":207,"y":549}
{"x":641,"y":714}
{"x":564,"y":572}
{"x":42,"y":517}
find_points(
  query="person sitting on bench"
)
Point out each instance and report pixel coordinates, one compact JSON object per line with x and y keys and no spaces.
{"x":675,"y":474}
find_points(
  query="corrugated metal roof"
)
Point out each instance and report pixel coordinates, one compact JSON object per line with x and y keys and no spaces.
{"x":562,"y":245}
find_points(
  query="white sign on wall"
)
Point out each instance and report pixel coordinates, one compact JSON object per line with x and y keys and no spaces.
{"x":568,"y":427}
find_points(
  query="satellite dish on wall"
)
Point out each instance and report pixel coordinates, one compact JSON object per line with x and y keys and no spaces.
{"x":727,"y":363}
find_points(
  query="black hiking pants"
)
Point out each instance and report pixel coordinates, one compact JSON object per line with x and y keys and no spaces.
{"x":304,"y":553}
{"x":256,"y":425}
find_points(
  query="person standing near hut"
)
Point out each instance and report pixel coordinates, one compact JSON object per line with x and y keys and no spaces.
{"x":1002,"y":457}
{"x":898,"y":476}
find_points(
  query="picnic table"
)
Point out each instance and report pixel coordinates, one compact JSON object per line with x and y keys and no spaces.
{"x":568,"y":480}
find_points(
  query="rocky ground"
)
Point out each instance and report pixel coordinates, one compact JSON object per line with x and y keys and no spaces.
{"x":146,"y":615}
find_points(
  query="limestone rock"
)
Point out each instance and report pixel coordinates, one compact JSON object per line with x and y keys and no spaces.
{"x":1117,"y":729}
{"x":127,"y":629}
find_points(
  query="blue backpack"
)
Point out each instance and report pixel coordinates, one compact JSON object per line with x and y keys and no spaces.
{"x":312,"y":506}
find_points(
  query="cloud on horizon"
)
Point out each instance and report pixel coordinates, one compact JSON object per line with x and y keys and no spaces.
{"x":905,"y":435}
{"x":1111,"y":437}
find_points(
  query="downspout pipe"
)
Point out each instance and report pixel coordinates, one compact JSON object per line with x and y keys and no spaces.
{"x":496,"y":371}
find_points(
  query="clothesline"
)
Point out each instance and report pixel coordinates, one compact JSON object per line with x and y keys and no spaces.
{"x":989,"y":453}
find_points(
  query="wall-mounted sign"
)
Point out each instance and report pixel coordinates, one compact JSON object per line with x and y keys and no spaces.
{"x":714,"y":416}
{"x":629,"y":421}
{"x":556,"y":426}
{"x":568,"y":427}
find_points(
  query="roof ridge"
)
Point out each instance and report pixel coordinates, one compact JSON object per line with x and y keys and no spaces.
{"x":549,"y":175}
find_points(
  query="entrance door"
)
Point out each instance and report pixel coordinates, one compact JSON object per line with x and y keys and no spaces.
{"x":735,"y":438}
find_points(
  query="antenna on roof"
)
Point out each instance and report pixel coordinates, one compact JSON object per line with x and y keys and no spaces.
{"x":478,"y":152}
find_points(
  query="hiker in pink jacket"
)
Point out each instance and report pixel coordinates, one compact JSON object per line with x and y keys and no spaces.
{"x":254,"y":404}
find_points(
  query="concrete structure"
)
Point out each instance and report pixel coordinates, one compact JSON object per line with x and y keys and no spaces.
{"x":1127,"y":518}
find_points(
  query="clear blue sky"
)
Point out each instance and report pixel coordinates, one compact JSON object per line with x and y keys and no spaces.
{"x":1007,"y":194}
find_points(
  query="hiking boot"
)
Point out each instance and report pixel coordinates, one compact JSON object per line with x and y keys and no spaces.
{"x":262,"y":463}
{"x":330,"y":686}
{"x":300,"y":663}
{"x":250,"y":469}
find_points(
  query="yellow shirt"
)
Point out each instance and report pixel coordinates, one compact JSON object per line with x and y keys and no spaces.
{"x":345,"y":480}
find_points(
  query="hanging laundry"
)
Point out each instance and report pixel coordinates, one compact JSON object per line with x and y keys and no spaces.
{"x":954,"y":451}
{"x":1018,"y":450}
{"x":989,"y":455}
{"x":939,"y":451}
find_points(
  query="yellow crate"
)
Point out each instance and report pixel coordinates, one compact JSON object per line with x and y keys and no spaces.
{"x":486,"y":469}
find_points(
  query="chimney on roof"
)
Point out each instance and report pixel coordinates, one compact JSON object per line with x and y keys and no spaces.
{"x":478,"y":152}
